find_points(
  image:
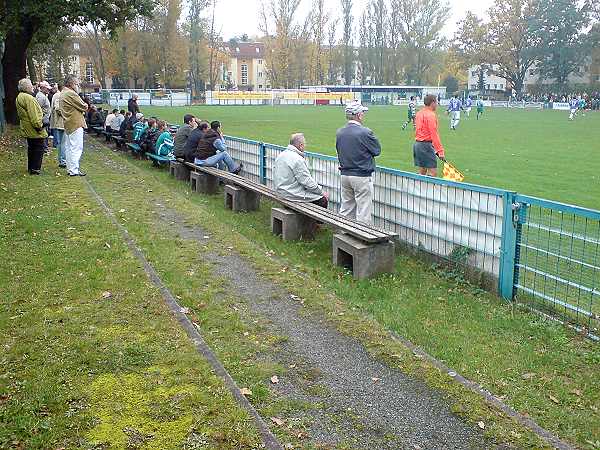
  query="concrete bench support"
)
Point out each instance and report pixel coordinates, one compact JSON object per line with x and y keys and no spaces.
{"x":172,"y":167}
{"x":182,"y":172}
{"x":292,"y":226}
{"x":203,"y":183}
{"x":239,"y":199}
{"x":365,"y":260}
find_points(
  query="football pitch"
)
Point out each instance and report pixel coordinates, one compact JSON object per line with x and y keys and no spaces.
{"x":533,"y":152}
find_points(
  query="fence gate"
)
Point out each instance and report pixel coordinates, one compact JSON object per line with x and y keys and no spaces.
{"x":557,"y":261}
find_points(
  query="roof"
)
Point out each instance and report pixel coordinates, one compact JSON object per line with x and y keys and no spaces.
{"x":247,"y":49}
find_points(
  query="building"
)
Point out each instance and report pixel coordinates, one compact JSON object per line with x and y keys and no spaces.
{"x":246,"y":69}
{"x":496,"y":85}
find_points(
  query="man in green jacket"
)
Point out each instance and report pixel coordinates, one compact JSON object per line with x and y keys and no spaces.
{"x":73,"y":108}
{"x":30,"y":117}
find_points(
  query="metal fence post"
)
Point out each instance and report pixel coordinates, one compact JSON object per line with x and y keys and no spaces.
{"x":508,"y":247}
{"x":262,"y":161}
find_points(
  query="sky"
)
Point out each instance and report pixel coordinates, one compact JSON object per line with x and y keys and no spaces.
{"x":236,"y":17}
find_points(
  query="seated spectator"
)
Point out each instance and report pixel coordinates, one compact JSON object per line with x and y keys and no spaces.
{"x":191,"y":146}
{"x":94,"y":118}
{"x":182,"y":135}
{"x":291,"y":177}
{"x":212,"y":150}
{"x":125,"y":124}
{"x":135,"y":118}
{"x":164,"y":144}
{"x":115,"y":125}
{"x":150,"y":136}
{"x":109,"y":119}
{"x":139,"y":128}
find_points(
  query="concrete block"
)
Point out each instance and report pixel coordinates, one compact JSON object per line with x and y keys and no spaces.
{"x":240,"y":199}
{"x":364,"y":259}
{"x":203,"y":183}
{"x":291,"y":225}
{"x":182,"y":172}
{"x":172,"y":166}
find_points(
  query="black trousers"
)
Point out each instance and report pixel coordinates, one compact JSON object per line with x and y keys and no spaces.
{"x":35,"y":153}
{"x":322,"y":202}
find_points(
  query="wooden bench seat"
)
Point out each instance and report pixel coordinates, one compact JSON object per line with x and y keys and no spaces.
{"x":158,"y":160}
{"x":119,"y":141}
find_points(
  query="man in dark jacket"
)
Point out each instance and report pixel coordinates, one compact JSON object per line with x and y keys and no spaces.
{"x":190,"y":150}
{"x":212,"y":150}
{"x":132,"y":105}
{"x":356,"y":147}
{"x":182,"y":135}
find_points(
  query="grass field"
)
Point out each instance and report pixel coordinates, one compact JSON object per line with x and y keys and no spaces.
{"x":534,"y":152}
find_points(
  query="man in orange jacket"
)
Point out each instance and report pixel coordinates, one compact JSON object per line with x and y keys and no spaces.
{"x":428,"y":143}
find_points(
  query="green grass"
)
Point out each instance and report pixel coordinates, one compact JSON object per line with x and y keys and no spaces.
{"x":537,"y":367}
{"x":534,"y":152}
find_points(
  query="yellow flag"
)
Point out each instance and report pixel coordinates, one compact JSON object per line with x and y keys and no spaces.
{"x":452,"y":173}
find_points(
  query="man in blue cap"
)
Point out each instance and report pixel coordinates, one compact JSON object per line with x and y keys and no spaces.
{"x":357,"y":148}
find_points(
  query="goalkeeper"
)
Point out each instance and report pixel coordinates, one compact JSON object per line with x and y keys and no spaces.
{"x":428,"y":143}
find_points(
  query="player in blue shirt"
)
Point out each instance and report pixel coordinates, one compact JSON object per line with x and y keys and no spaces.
{"x":454,"y":110}
{"x":573,"y":106}
{"x":468,"y":106}
{"x":412,"y":112}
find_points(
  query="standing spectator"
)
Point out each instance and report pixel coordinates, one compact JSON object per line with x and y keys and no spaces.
{"x":212,"y":150}
{"x":73,"y":108}
{"x":132,"y":105}
{"x":42,"y":98}
{"x":357,"y":148}
{"x":427,"y":139}
{"x":57,"y":127}
{"x":183,"y":134}
{"x":30,"y":117}
{"x":291,"y":177}
{"x":109,"y":118}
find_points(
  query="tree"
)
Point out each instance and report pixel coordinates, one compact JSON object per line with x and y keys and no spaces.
{"x":451,"y":84}
{"x":560,"y":28}
{"x":332,"y":53}
{"x":469,"y":46}
{"x":21,"y":20}
{"x":378,"y":17}
{"x":511,"y":42}
{"x":347,"y":19}
{"x":196,"y":26}
{"x":420,"y":25}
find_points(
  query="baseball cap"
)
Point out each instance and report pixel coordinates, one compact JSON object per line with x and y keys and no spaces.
{"x":354,"y":107}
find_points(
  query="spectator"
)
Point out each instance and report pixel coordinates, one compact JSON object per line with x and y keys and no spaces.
{"x":183,"y":134}
{"x":94,"y":117}
{"x":356,"y":147}
{"x":42,"y":98}
{"x":57,"y":127}
{"x":427,"y":139}
{"x":109,"y":119}
{"x":191,"y":146}
{"x":212,"y":150}
{"x":132,"y":105}
{"x":125,"y":124}
{"x":150,"y":136}
{"x":139,"y":128}
{"x":291,"y":177}
{"x":115,"y":126}
{"x":31,"y":126}
{"x":135,"y":118}
{"x":72,"y":109}
{"x":164,"y":143}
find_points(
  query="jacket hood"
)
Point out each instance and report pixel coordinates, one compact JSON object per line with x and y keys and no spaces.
{"x":291,"y":148}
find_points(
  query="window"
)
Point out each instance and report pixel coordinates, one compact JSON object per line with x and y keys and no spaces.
{"x":260,"y":86}
{"x":75,"y":45}
{"x":260,"y":61}
{"x":474,"y":73}
{"x":501,"y":87}
{"x":257,"y":50}
{"x":237,"y":49}
{"x":89,"y":72}
{"x":244,"y":74}
{"x":531,"y":71}
{"x":488,"y":87}
{"x":495,"y":86}
{"x":259,"y":74}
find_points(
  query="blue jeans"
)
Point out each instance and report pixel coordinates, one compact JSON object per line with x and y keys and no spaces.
{"x":217,"y":160}
{"x":59,"y":144}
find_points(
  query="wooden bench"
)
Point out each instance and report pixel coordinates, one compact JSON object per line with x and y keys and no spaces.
{"x":119,"y":141}
{"x":136,"y":150}
{"x":364,"y":249}
{"x":98,"y":131}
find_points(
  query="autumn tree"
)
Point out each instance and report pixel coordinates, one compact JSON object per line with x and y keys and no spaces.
{"x":195,"y":27}
{"x":347,"y":20}
{"x":469,"y":46}
{"x":21,"y":20}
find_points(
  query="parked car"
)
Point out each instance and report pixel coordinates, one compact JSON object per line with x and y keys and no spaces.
{"x":96,"y":98}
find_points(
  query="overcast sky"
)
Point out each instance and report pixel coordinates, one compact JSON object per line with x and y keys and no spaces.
{"x":237,"y":17}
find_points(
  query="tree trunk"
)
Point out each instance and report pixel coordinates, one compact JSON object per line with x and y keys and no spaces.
{"x":14,"y":66}
{"x":98,"y":43}
{"x":31,"y":69}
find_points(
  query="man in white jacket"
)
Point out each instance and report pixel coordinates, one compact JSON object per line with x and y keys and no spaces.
{"x":292,"y":179}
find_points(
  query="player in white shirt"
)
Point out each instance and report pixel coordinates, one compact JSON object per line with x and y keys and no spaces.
{"x":412,"y":112}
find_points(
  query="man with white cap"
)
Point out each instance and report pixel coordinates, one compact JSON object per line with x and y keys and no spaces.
{"x":357,"y":148}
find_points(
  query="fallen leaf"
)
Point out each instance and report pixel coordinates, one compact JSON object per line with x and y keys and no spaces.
{"x":246,"y":333}
{"x":274,"y":379}
{"x":277,"y":421}
{"x":576,"y":392}
{"x":206,"y":237}
{"x":106,"y":294}
{"x":185,"y":310}
{"x":245,"y":391}
{"x":121,"y":210}
{"x":554,"y":399}
{"x":107,"y":244}
{"x":375,"y":379}
{"x":481,"y":425}
{"x":292,"y":366}
{"x":528,"y":375}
